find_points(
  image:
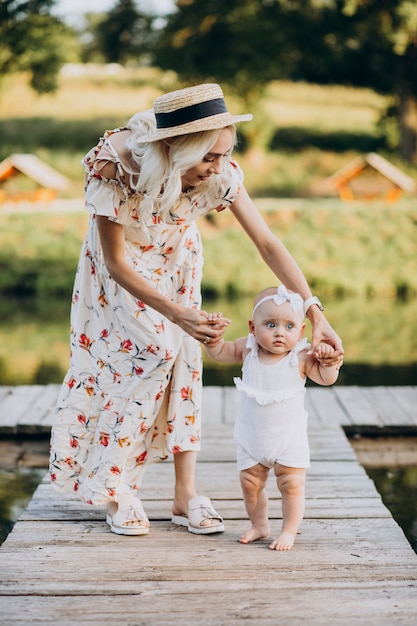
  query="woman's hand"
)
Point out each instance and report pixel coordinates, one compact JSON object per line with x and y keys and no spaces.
{"x":323,"y":332}
{"x":205,"y":327}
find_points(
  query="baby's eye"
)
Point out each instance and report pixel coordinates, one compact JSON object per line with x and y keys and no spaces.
{"x":290,"y":326}
{"x":270,"y":325}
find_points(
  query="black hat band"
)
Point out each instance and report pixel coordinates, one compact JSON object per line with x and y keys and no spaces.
{"x":191,"y":113}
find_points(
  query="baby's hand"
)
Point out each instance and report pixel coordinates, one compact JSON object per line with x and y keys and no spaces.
{"x":217,"y":319}
{"x":323,"y":351}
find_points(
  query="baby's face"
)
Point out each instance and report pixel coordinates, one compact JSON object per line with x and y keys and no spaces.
{"x":277,"y":328}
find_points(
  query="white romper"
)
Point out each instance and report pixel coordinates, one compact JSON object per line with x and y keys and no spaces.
{"x":271,"y":425}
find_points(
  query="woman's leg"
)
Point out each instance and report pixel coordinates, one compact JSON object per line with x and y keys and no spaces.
{"x":291,"y":484}
{"x":185,"y":464}
{"x":253,"y":482}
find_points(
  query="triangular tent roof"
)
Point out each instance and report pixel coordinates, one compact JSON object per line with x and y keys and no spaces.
{"x":32,"y":167}
{"x":380,"y":164}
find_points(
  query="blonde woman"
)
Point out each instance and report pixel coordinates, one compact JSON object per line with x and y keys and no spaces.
{"x":132,"y":394}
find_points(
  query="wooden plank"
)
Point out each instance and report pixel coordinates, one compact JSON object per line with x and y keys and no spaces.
{"x":330,"y":410}
{"x":351,"y":563}
{"x":406,"y":399}
{"x":357,"y":552}
{"x":389,"y":412}
{"x":16,"y":405}
{"x":38,"y":416}
{"x":358,"y":406}
{"x":213,"y":405}
{"x":326,"y":406}
{"x":50,"y":504}
{"x":231,"y":404}
{"x":160,"y":604}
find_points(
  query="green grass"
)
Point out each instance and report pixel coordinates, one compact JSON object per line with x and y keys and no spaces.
{"x":363,"y":250}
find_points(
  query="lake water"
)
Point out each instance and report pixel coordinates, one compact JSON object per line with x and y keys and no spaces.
{"x":379,"y":336}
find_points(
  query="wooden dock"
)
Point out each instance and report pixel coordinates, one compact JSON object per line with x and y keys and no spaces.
{"x":351,"y":563}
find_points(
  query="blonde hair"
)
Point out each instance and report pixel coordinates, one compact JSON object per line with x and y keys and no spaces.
{"x":161,"y":164}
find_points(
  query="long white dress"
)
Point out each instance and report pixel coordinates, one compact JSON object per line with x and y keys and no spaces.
{"x":133,"y":390}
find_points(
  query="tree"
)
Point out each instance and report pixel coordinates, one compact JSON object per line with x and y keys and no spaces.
{"x":247,"y":43}
{"x":32,"y":40}
{"x":123,"y":33}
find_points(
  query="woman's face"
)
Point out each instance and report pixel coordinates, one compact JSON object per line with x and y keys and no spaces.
{"x":211,"y":163}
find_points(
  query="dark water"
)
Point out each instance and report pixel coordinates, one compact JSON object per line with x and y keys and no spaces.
{"x":16,"y":489}
{"x":398,"y":490}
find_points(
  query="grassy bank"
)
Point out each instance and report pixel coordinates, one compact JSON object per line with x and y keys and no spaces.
{"x":344,"y":249}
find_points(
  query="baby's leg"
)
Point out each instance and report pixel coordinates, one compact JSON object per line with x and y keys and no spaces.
{"x":291,"y":483}
{"x":253,"y":481}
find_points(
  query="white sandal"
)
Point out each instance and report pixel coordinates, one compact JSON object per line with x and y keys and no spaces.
{"x":200,"y":509}
{"x":120,"y":520}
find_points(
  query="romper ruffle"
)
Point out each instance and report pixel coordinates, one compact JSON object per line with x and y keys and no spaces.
{"x":256,"y":388}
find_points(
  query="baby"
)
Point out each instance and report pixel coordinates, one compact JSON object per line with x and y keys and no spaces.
{"x":271,"y":427}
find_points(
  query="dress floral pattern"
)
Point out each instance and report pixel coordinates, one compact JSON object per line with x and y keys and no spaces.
{"x":133,"y":390}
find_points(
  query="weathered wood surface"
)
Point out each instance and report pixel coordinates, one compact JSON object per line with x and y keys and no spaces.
{"x":28,"y":409}
{"x":351,"y":563}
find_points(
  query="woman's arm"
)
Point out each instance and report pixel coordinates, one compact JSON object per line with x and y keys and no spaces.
{"x":196,"y":323}
{"x":284,"y":266}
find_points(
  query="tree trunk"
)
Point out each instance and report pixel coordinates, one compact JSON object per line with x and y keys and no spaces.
{"x":408,"y":108}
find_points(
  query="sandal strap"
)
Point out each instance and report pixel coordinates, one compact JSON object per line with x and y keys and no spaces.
{"x":131,"y":513}
{"x":200,"y":509}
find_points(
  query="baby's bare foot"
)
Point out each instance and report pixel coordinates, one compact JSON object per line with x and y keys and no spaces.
{"x":254,"y":533}
{"x":284,"y":542}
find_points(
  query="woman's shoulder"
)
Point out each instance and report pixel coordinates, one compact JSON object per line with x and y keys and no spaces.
{"x":115,"y":145}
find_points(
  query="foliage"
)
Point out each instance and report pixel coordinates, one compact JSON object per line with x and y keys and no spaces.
{"x":39,"y":253}
{"x":120,"y":35}
{"x":32,"y":40}
{"x":248,"y":43}
{"x":306,"y":133}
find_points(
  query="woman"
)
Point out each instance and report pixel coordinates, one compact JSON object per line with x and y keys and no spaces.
{"x":133,"y":390}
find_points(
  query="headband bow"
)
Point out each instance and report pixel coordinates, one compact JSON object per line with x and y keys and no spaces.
{"x":282,"y":296}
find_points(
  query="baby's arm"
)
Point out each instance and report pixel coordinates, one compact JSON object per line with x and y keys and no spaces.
{"x":319,"y":372}
{"x":227,"y":351}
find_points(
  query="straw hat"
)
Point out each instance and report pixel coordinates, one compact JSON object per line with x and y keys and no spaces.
{"x":191,"y":110}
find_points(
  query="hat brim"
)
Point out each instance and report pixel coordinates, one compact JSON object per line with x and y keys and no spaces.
{"x":214,"y":122}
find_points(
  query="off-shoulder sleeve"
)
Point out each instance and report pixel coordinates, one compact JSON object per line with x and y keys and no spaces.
{"x":104,"y":197}
{"x":110,"y":197}
{"x":228,"y":186}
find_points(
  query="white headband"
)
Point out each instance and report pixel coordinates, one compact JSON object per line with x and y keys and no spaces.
{"x":282,"y":296}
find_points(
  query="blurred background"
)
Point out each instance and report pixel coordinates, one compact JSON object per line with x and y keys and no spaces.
{"x":329,"y":158}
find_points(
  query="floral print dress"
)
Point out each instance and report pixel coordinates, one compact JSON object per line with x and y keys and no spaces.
{"x":133,"y":390}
